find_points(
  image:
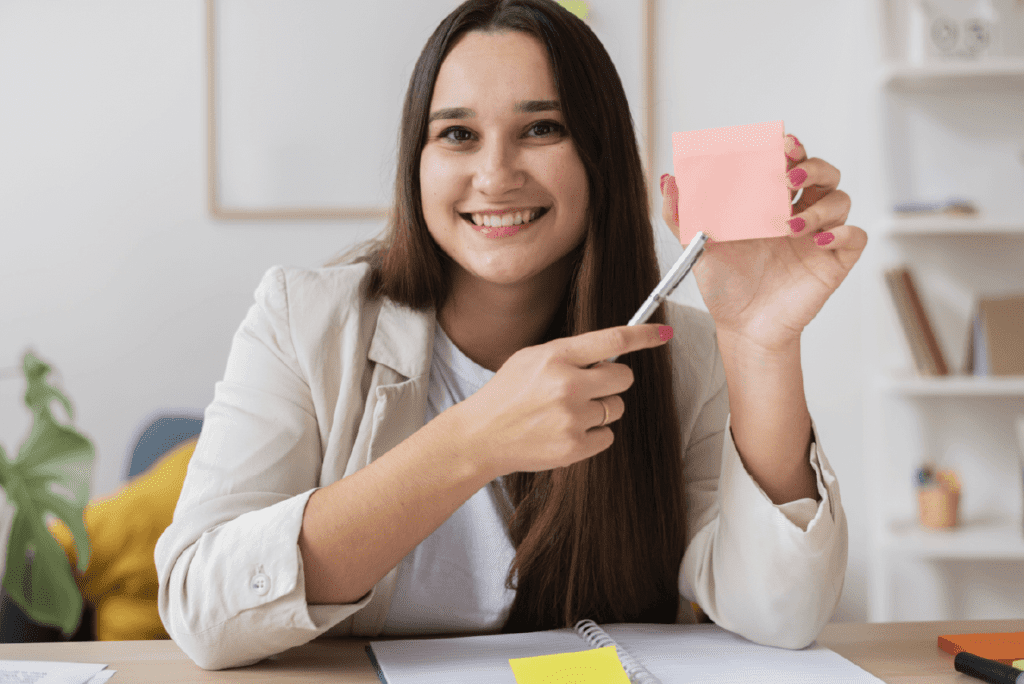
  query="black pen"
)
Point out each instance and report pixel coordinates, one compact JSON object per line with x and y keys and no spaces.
{"x":991,"y":671}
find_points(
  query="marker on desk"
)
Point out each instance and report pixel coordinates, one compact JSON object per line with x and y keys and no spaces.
{"x":670,"y":282}
{"x":990,"y":671}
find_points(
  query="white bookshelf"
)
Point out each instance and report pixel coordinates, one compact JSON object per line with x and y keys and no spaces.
{"x":951,"y":386}
{"x":898,"y":227}
{"x":992,"y":73}
{"x":981,"y":538}
{"x":951,"y":129}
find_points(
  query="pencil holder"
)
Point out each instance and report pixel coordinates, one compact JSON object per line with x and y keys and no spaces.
{"x":937,"y":507}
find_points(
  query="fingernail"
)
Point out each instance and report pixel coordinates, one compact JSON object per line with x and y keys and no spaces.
{"x":795,"y":140}
{"x":665,"y":332}
{"x":794,"y":146}
{"x":797,"y":177}
{"x":663,"y":177}
{"x":797,"y":224}
{"x":824,"y":238}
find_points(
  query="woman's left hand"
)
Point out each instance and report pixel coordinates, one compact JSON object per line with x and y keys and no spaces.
{"x":763,"y":292}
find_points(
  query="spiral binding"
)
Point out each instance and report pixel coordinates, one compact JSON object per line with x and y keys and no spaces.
{"x":596,"y":637}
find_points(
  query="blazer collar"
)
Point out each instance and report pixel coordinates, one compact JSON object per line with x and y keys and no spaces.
{"x":403,"y":339}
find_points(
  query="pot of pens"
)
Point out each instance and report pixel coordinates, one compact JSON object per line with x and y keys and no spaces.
{"x":938,"y":497}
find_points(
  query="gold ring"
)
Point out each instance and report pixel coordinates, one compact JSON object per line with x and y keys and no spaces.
{"x":605,"y":407}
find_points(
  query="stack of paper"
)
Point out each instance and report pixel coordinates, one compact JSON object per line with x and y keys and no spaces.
{"x":45,"y":672}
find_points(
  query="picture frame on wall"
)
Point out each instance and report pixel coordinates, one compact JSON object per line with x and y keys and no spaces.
{"x":303,"y":118}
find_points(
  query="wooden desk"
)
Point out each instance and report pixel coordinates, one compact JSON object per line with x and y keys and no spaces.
{"x":898,"y":653}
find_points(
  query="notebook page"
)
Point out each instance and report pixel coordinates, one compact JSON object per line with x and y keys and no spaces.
{"x":672,"y":653}
{"x":708,"y":653}
{"x":472,"y":660}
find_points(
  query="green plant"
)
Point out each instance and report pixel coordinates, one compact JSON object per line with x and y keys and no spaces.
{"x":50,"y":477}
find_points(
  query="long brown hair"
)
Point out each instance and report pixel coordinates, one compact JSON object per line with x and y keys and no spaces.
{"x":603,"y":538}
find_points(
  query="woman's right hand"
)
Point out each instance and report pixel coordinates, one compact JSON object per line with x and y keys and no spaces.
{"x":543,"y":409}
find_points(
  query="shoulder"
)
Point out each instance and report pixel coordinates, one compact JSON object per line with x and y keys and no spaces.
{"x":297,"y":293}
{"x":311,"y":285}
{"x":305,"y":307}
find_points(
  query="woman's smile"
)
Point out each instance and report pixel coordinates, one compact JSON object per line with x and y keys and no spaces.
{"x":505,"y":223}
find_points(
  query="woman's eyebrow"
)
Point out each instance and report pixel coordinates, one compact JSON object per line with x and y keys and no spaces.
{"x":533,"y":106}
{"x":521,"y":107}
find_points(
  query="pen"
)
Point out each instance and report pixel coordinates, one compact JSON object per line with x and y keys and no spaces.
{"x":670,"y":282}
{"x":991,"y":671}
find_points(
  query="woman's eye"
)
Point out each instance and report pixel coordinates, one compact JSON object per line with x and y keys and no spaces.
{"x":456,"y":134}
{"x":547,"y":128}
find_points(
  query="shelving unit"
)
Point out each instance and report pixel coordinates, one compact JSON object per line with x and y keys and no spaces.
{"x":952,"y":386}
{"x":990,"y":538}
{"x":924,"y":226}
{"x":992,"y":73}
{"x":951,"y":129}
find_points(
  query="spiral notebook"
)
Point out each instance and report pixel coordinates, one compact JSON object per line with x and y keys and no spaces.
{"x":649,"y":654}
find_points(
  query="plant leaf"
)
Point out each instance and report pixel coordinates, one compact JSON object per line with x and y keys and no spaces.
{"x":49,"y":477}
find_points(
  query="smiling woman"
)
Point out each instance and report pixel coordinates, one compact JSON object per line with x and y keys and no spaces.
{"x":425,"y":437}
{"x":498,"y":148}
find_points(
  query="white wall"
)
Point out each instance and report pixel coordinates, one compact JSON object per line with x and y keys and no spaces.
{"x":110,"y":265}
{"x":112,"y":269}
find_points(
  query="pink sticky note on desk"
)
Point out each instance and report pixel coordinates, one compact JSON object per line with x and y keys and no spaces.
{"x":732,"y":182}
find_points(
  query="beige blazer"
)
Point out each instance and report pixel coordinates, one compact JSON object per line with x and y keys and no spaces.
{"x":321,"y":380}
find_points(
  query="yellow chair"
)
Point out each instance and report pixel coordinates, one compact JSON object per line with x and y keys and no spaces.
{"x":120,"y":581}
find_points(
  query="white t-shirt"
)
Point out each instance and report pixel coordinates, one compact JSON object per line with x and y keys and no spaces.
{"x":454,"y":580}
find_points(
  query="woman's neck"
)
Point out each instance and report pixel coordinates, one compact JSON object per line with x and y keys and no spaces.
{"x":490,"y":323}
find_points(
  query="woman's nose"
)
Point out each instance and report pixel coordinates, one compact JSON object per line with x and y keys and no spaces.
{"x":499,"y":169}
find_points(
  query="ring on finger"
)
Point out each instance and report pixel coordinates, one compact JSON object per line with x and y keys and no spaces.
{"x":606,"y":416}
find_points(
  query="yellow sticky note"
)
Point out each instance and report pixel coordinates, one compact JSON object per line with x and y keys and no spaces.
{"x":1019,"y":664}
{"x":596,"y":666}
{"x":577,"y":7}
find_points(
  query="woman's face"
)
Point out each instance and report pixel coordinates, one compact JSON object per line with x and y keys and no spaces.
{"x":504,"y":191}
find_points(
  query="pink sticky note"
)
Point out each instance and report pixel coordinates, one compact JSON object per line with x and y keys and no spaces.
{"x":732,"y":182}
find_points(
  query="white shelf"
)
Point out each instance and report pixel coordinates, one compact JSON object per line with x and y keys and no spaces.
{"x":929,"y":119}
{"x":981,"y":539}
{"x":955,"y":76}
{"x":954,"y":386}
{"x":943,"y":225}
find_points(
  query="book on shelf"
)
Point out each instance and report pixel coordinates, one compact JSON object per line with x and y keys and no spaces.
{"x":924,"y":346}
{"x":996,"y":340}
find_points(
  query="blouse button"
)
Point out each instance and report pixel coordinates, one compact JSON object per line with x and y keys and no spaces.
{"x":260,"y":584}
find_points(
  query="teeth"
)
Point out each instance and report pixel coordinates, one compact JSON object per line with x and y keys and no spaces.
{"x":502,"y":220}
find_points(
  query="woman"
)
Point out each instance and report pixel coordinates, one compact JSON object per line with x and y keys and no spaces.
{"x":427,"y":439}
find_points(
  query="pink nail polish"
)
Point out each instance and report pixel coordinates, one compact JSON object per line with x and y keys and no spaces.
{"x":797,"y":224}
{"x":824,"y":238}
{"x":794,"y":153}
{"x":797,"y":177}
{"x":663,"y":177}
{"x":665,"y":332}
{"x":798,"y":143}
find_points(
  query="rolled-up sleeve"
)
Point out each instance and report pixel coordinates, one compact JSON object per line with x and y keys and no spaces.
{"x":231,"y":578}
{"x":771,"y":573}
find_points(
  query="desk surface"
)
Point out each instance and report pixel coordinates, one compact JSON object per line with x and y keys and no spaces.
{"x":898,"y":653}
